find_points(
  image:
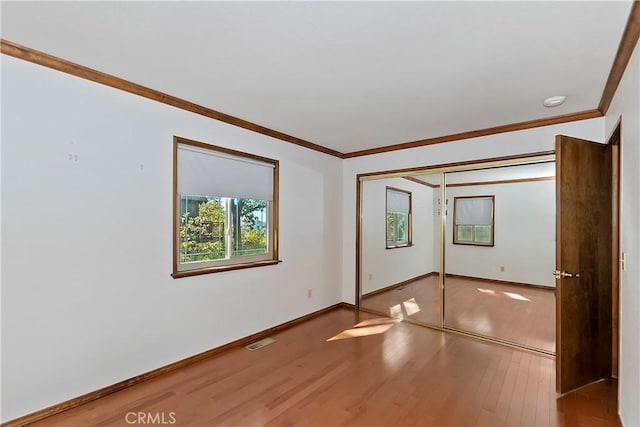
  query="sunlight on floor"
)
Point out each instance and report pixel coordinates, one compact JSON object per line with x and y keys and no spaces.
{"x":376,"y":321}
{"x":511,"y":295}
{"x":366,"y":328}
{"x":516,"y":296}
{"x":410,"y":307}
{"x":396,"y":311}
{"x":488,"y":291}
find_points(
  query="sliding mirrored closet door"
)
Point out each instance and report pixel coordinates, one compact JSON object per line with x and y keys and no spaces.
{"x":400,"y":248}
{"x":499,"y":245}
{"x":489,"y":227}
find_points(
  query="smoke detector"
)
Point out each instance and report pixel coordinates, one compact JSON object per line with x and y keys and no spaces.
{"x":554,"y":101}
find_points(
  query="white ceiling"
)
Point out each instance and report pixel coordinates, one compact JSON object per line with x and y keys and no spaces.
{"x":346,"y":75}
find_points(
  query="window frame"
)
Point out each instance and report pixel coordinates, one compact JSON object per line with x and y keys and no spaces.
{"x":456,"y":225}
{"x":395,"y":244}
{"x":233,"y":263}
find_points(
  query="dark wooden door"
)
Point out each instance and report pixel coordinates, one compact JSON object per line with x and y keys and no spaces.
{"x":583,"y":262}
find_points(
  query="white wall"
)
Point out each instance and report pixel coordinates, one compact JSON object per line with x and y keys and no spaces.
{"x":525,"y":231}
{"x":520,"y":142}
{"x":524,"y":235}
{"x":391,"y":266}
{"x":626,"y":104}
{"x":87,"y":297}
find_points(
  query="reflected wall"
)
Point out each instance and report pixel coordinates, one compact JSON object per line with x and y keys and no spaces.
{"x":401,"y":281}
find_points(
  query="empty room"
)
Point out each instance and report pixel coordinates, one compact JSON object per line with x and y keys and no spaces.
{"x":320,"y":213}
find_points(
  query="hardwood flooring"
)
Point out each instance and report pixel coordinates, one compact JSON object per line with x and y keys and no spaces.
{"x":376,"y":372}
{"x":519,"y":314}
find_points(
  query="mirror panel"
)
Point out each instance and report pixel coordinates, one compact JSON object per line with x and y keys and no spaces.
{"x":400,"y":254}
{"x":500,"y":254}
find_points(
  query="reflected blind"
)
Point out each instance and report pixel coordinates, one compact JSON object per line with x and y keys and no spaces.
{"x":213,"y":173}
{"x":398,"y":201}
{"x":474,"y":211}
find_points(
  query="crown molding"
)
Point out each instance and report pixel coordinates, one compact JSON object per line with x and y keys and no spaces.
{"x":50,"y":61}
{"x":627,"y":44}
{"x":583,"y":115}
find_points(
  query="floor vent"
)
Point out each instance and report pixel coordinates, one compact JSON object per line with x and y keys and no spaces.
{"x":259,"y":344}
{"x":399,"y":288}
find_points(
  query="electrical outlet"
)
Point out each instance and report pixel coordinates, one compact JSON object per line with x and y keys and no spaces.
{"x":309,"y":293}
{"x":502,"y":268}
{"x":370,"y":276}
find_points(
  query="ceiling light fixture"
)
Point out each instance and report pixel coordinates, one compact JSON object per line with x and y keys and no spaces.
{"x":554,"y":101}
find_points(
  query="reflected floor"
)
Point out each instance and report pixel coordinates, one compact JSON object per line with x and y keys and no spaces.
{"x":417,"y":300}
{"x":520,"y":314}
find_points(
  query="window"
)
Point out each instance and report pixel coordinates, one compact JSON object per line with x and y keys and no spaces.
{"x":473,"y":220}
{"x":398,"y":218}
{"x":225,"y":209}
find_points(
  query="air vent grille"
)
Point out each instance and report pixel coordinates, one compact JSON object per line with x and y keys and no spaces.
{"x":259,"y":344}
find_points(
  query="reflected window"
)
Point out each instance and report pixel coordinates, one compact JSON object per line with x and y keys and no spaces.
{"x":473,"y":220}
{"x":398,"y":220}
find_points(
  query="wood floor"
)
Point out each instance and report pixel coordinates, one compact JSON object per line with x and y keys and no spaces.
{"x":519,"y":314}
{"x":380,"y":373}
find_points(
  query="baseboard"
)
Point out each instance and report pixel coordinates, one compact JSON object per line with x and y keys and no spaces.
{"x":105,"y":391}
{"x":502,"y":282}
{"x":397,"y":285}
{"x":348,"y":305}
{"x":456,"y":276}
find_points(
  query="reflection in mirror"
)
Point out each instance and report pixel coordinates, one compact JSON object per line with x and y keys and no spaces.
{"x":473,"y":220}
{"x":400,"y":234}
{"x":504,"y":290}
